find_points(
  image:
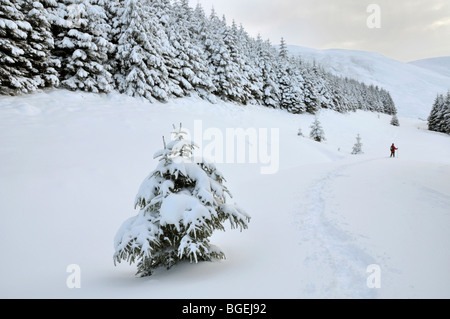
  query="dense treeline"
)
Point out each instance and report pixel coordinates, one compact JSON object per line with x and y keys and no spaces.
{"x":162,"y":49}
{"x":439,"y":119}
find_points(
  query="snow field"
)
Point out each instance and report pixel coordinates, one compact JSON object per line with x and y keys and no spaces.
{"x":72,"y":163}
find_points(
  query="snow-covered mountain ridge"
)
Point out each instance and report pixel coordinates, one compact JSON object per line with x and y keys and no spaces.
{"x":439,"y":65}
{"x":413,"y":86}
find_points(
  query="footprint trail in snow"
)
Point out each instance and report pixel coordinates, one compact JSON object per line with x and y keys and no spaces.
{"x":337,"y":267}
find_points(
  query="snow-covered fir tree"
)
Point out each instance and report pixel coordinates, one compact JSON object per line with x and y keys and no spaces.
{"x":436,"y":114}
{"x":394,"y":120}
{"x":85,"y":45}
{"x":41,"y":41}
{"x":235,"y":40}
{"x":253,"y":74}
{"x":313,"y":86}
{"x":290,"y":83}
{"x":226,"y":61}
{"x":181,"y":203}
{"x":267,"y":62}
{"x":17,"y":72}
{"x":193,"y":73}
{"x":439,"y":118}
{"x":388,"y":102}
{"x":283,"y":49}
{"x":357,"y":148}
{"x":162,"y":11}
{"x":215,"y":50}
{"x":141,"y":69}
{"x":317,"y":133}
{"x":446,"y":122}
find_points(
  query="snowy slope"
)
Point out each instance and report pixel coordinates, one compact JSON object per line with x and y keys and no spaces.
{"x":439,"y":65}
{"x":413,"y":88}
{"x":71,"y":165}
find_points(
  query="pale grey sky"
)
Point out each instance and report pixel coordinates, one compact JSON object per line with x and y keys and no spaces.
{"x":409,"y":29}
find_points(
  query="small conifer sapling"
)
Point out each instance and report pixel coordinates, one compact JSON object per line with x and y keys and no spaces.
{"x":357,"y":148}
{"x":180,"y":204}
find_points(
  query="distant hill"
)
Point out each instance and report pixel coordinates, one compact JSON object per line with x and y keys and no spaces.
{"x":413,"y":86}
{"x":439,"y":65}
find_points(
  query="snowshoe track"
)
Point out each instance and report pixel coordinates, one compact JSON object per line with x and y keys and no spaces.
{"x":341,"y":263}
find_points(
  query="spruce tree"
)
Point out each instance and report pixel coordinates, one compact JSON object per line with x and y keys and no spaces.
{"x":283,"y":49}
{"x":181,"y":203}
{"x":317,"y":132}
{"x":267,"y":62}
{"x":191,"y":70}
{"x":394,"y":120}
{"x":357,"y":148}
{"x":41,"y":41}
{"x":439,"y":118}
{"x":290,"y":88}
{"x":84,"y":48}
{"x":312,"y":88}
{"x":253,"y":75}
{"x":17,"y":73}
{"x":141,"y":69}
{"x":436,"y":114}
{"x":446,"y":121}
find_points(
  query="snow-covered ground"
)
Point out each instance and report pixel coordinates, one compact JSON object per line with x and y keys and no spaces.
{"x":413,"y":86}
{"x":71,"y":165}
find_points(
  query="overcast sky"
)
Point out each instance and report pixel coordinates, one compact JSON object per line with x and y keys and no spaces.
{"x":408,"y":29}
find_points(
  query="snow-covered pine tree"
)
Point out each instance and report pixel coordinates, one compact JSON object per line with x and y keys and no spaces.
{"x":216,"y":52}
{"x":162,"y":12}
{"x":267,"y":63}
{"x":312,"y":88}
{"x":374,"y":99}
{"x":253,"y":74}
{"x":436,"y":114}
{"x":181,"y":203}
{"x":283,"y":49}
{"x":17,"y":73}
{"x":394,"y":120}
{"x":85,"y":48}
{"x":236,"y":43}
{"x":439,"y":118}
{"x":339,"y":100}
{"x":357,"y":148}
{"x":229,"y":79}
{"x":388,"y":102}
{"x":141,"y":69}
{"x":40,"y":39}
{"x":446,"y":123}
{"x":290,"y":83}
{"x":317,"y":133}
{"x":193,"y":72}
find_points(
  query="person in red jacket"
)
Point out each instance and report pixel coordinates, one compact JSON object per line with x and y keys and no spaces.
{"x":393,"y":149}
